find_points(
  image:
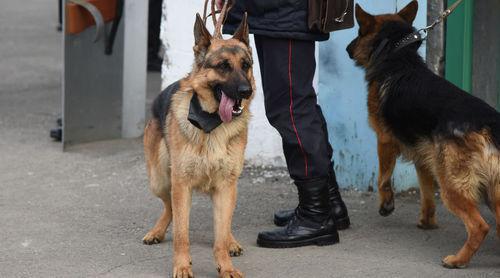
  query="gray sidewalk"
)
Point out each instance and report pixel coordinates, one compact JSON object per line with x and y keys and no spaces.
{"x":83,"y":213}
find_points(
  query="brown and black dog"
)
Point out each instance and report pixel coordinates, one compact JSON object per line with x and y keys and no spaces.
{"x":452,"y":137}
{"x":196,"y":141}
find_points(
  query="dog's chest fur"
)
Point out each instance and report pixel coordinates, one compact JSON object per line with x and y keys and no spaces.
{"x":205,"y":159}
{"x":208,"y":166}
{"x":374,"y":106}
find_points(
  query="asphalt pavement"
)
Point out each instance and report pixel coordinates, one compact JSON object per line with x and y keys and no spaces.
{"x":84,"y":212}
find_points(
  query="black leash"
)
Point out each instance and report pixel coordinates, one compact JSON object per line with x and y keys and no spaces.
{"x":443,"y":16}
{"x":421,"y":34}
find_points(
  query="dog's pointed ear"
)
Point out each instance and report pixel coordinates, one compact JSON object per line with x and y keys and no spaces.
{"x":364,"y":19}
{"x":202,"y":36}
{"x":409,"y":12}
{"x":241,"y":33}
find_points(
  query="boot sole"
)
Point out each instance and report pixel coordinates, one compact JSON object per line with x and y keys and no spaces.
{"x":319,"y":241}
{"x":341,"y":224}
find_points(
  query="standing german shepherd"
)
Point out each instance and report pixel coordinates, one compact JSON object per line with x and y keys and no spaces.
{"x":197,"y":139}
{"x":451,"y":137}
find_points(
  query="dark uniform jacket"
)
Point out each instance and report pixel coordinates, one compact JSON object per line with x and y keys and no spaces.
{"x":273,"y":18}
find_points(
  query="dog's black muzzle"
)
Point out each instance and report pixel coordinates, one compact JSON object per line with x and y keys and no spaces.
{"x":350,"y":48}
{"x":240,"y":92}
{"x":243,"y":91}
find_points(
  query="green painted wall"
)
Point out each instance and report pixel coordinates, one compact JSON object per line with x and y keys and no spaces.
{"x":458,"y":68}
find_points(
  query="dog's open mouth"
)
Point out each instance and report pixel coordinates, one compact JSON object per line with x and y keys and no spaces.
{"x":229,"y":108}
{"x":237,"y":108}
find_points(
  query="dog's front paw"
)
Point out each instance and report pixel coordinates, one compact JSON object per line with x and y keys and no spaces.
{"x":386,"y":208}
{"x":427,"y":224}
{"x":232,"y":273}
{"x":183,"y":271}
{"x":453,"y":261}
{"x":235,"y":249}
{"x":153,"y":238}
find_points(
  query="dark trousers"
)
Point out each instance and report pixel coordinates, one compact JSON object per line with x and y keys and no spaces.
{"x":154,"y":22}
{"x":287,"y":69}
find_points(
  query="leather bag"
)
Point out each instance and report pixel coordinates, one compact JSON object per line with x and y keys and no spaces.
{"x":330,"y":15}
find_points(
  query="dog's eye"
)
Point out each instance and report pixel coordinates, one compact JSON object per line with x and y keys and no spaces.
{"x":245,"y":65}
{"x":224,"y":65}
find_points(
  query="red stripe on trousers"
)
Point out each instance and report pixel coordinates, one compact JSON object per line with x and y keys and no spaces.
{"x":291,"y":105}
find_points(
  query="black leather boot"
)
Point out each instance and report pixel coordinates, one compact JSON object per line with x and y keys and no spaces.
{"x":311,"y":223}
{"x":339,"y":210}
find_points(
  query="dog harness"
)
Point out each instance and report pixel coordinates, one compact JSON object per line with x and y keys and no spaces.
{"x":196,"y":116}
{"x":202,"y":119}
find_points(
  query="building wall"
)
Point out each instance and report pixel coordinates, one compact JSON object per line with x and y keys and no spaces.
{"x":342,"y":94}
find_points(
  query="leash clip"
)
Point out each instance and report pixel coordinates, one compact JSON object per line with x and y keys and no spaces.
{"x":422,"y":33}
{"x":443,"y":16}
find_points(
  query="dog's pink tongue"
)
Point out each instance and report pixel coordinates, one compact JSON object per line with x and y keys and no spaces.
{"x":226,"y":108}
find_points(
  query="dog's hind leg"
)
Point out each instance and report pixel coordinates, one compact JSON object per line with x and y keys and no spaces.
{"x":224,"y":199}
{"x":467,"y":210}
{"x":388,"y":152}
{"x":495,"y":192}
{"x":497,"y":216}
{"x":157,"y":233}
{"x":496,"y":206}
{"x":428,"y":207}
{"x":159,"y":181}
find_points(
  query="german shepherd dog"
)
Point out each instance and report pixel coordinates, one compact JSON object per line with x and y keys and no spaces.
{"x":196,"y":141}
{"x":453,"y":138}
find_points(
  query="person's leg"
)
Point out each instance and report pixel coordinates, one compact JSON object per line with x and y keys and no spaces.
{"x":291,"y":106}
{"x":287,"y":68}
{"x":339,"y":209}
{"x":154,"y":22}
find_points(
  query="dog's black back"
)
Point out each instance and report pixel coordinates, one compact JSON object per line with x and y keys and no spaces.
{"x":417,"y":103}
{"x":161,"y":104}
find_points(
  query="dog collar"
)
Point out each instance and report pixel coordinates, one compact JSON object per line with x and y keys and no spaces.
{"x":408,"y":39}
{"x":379,"y":49}
{"x":202,"y":119}
{"x":402,"y":43}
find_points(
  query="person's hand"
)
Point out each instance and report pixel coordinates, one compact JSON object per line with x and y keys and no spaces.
{"x":219,"y":4}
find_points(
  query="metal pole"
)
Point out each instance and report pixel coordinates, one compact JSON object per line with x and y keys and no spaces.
{"x":135,"y":50}
{"x":436,"y":38}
